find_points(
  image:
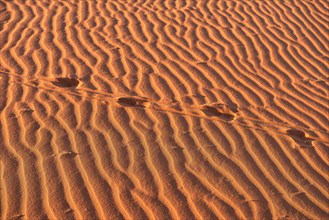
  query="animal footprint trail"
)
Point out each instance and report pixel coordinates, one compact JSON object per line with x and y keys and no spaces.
{"x":220,"y":111}
{"x":208,"y":111}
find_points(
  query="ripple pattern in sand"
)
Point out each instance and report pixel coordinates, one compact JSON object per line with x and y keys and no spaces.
{"x":160,"y":109}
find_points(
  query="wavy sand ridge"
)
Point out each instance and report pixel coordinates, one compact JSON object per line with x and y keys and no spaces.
{"x":163,"y":109}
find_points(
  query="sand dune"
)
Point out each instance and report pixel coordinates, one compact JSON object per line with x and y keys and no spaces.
{"x":164,"y":109}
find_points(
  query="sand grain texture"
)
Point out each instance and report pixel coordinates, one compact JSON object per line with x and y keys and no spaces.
{"x":164,"y":109}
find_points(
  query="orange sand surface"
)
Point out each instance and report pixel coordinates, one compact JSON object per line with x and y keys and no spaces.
{"x":164,"y":109}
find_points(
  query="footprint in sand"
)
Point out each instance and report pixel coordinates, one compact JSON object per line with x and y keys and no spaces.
{"x":66,"y":82}
{"x":69,"y":154}
{"x":300,"y":137}
{"x":132,"y":102}
{"x":212,"y":111}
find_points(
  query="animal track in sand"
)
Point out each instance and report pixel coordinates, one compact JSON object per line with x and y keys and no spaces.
{"x":132,"y":102}
{"x":300,"y":137}
{"x":213,"y":111}
{"x":66,"y":82}
{"x":70,"y":154}
{"x":296,"y":133}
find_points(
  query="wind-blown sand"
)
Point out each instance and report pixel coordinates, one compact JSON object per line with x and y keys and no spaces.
{"x":161,"y":109}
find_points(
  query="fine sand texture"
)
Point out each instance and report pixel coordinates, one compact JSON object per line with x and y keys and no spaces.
{"x":164,"y":109}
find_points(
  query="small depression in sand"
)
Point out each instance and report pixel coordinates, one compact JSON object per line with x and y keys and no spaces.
{"x":66,"y":82}
{"x":300,"y":137}
{"x":212,"y":111}
{"x":131,"y":102}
